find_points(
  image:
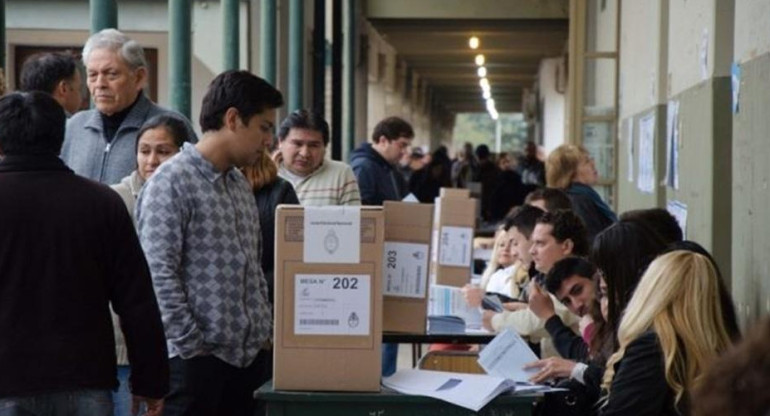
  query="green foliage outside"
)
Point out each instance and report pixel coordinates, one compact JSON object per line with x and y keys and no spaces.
{"x":479,"y":128}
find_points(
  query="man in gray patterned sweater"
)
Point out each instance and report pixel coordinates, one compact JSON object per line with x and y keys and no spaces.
{"x":199,"y":227}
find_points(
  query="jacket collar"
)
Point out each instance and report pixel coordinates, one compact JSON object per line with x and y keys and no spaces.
{"x":206,"y":168}
{"x":133,"y":120}
{"x":24,"y":163}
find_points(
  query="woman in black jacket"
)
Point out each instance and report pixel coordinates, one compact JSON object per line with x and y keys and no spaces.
{"x":270,"y":190}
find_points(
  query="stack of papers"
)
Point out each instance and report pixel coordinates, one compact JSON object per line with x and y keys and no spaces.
{"x":445,"y":324}
{"x":471,"y":391}
{"x":449,"y":301}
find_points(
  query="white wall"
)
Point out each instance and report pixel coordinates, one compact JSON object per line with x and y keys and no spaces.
{"x":751,"y":29}
{"x":642,"y":65}
{"x":691,"y":29}
{"x":553,"y":104}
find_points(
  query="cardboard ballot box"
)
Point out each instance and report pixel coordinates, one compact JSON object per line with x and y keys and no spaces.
{"x":408,"y":228}
{"x":328,"y":298}
{"x":454,"y":219}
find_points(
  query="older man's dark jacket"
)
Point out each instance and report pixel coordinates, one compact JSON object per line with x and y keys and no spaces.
{"x":67,"y":249}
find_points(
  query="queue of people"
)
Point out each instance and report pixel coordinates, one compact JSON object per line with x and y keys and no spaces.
{"x":157,"y":293}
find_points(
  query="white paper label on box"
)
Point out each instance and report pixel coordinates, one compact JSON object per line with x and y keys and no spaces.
{"x":332,"y":235}
{"x":331,"y":304}
{"x":405,"y":269}
{"x":455,"y":245}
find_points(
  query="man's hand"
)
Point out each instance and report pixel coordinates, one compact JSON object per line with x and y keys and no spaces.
{"x":540,"y":302}
{"x":551,"y":368}
{"x":473,"y":295}
{"x":486,"y":320}
{"x":154,"y":407}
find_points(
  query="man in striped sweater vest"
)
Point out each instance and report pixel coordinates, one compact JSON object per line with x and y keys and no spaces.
{"x":303,"y":137}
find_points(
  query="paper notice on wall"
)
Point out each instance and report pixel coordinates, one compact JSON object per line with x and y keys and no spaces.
{"x":646,"y":176}
{"x":332,"y":234}
{"x":405,"y":269}
{"x":332,"y":304}
{"x":630,"y":148}
{"x":672,"y":144}
{"x":679,"y":211}
{"x":455,"y":246}
{"x":735,"y":76}
{"x":703,"y":54}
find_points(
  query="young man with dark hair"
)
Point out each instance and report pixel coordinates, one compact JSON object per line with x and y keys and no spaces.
{"x":69,"y":250}
{"x":548,"y":199}
{"x":375,"y":164}
{"x":557,"y":235}
{"x":318,"y":181}
{"x":57,"y":74}
{"x":199,"y":225}
{"x":522,"y":224}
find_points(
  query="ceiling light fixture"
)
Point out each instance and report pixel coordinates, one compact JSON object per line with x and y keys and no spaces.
{"x":473,"y":42}
{"x":484,"y":83}
{"x":479,"y":59}
{"x":482,"y":72}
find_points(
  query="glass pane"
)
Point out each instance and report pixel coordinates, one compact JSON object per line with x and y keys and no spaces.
{"x":599,"y":85}
{"x":601,"y":25}
{"x":598,"y":140}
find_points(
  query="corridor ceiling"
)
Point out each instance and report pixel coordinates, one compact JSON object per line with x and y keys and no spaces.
{"x":431,"y":36}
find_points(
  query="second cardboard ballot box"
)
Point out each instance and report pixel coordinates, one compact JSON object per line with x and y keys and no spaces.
{"x":452,"y":244}
{"x":328,"y":298}
{"x":405,"y":266}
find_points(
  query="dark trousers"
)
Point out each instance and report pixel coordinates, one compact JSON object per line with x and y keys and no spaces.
{"x":208,"y":386}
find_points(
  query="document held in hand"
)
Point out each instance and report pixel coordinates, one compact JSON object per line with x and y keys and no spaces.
{"x":506,"y":356}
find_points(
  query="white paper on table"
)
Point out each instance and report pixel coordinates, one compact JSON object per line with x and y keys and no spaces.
{"x":506,"y":357}
{"x":405,"y":269}
{"x":471,"y":391}
{"x":449,"y":300}
{"x":332,"y":234}
{"x":646,"y":177}
{"x":410,"y":198}
{"x":332,"y":304}
{"x":455,"y":246}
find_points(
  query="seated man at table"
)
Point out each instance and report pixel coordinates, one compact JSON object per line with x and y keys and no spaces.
{"x":556,"y":235}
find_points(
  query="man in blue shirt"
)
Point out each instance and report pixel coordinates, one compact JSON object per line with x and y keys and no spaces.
{"x":199,"y":225}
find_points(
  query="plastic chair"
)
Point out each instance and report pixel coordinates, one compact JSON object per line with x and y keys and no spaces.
{"x":453,"y":361}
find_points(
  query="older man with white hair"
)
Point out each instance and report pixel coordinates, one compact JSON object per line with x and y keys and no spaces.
{"x":100,"y":144}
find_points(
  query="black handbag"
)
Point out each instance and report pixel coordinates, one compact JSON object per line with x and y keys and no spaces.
{"x":575,"y":401}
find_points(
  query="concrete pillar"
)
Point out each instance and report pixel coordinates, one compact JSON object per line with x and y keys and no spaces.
{"x":319,"y":56}
{"x":180,"y":55}
{"x":296,"y":53}
{"x":349,"y":64}
{"x":267,"y":61}
{"x":230,"y":35}
{"x":104,"y":14}
{"x":336,"y":121}
{"x":2,"y":40}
